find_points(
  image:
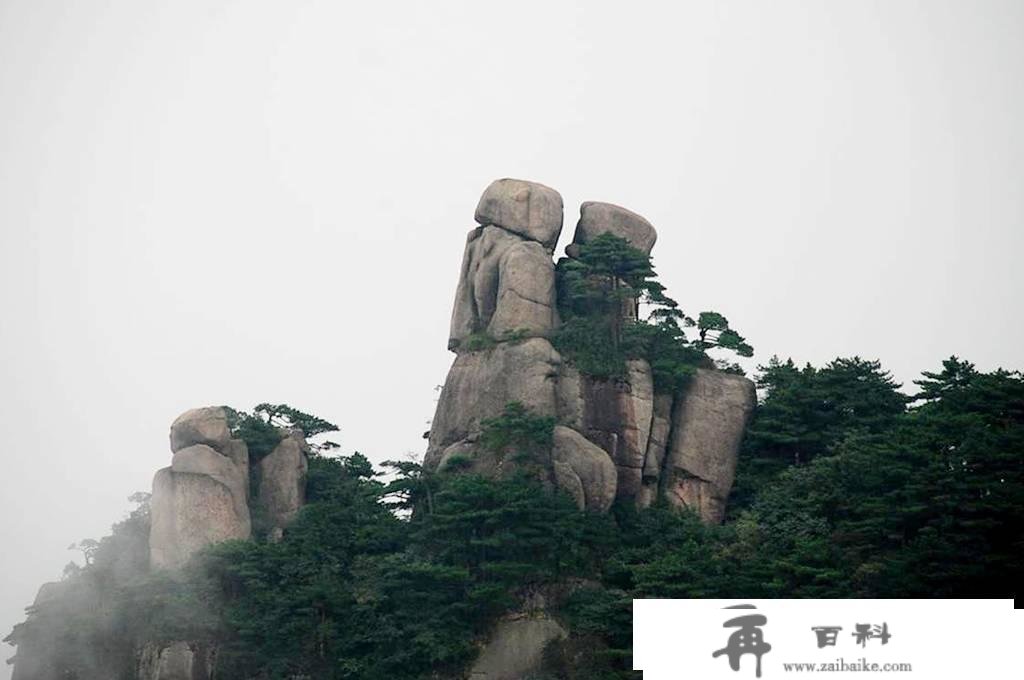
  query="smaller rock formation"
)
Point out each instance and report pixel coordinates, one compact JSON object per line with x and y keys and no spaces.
{"x":708,"y":422}
{"x":282,"y":483}
{"x":202,"y":498}
{"x":605,"y":218}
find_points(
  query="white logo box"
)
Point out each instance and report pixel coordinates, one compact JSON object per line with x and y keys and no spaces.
{"x":923,"y":639}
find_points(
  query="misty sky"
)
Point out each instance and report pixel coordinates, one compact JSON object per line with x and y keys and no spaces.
{"x":235,"y":202}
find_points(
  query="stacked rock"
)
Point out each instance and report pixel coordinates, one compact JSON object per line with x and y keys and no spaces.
{"x":203,"y":497}
{"x":615,"y":439}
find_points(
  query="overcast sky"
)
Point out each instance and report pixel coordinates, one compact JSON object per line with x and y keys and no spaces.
{"x":235,"y":202}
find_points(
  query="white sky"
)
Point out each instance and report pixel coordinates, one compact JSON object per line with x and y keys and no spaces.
{"x":235,"y":202}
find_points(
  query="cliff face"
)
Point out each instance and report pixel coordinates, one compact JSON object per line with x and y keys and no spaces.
{"x":616,"y":439}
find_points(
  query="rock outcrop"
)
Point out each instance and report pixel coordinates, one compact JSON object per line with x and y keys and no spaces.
{"x":515,"y":648}
{"x":615,"y":439}
{"x":282,"y":483}
{"x":605,"y":218}
{"x":202,"y":498}
{"x":206,"y":497}
{"x":708,"y":421}
{"x":176,"y":661}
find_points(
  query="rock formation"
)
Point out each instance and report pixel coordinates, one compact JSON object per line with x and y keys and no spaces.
{"x":206,"y":497}
{"x":507,"y":284}
{"x":281,"y":476}
{"x":177,"y":661}
{"x":615,"y":439}
{"x":202,"y":498}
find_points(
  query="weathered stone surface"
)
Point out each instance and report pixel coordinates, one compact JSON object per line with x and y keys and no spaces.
{"x":202,"y":460}
{"x":207,"y":425}
{"x":657,"y":447}
{"x":515,"y":650}
{"x":480,"y":384}
{"x":238,"y":452}
{"x":506,"y":284}
{"x":708,"y":423}
{"x":174,"y":661}
{"x":282,"y":482}
{"x":188,"y":512}
{"x":529,"y":209}
{"x":526,"y":292}
{"x":637,"y":409}
{"x":571,"y":397}
{"x":600,"y":218}
{"x":583,"y":469}
{"x":614,"y":414}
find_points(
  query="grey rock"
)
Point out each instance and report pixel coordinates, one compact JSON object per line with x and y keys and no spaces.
{"x":200,"y":459}
{"x":526,"y":292}
{"x":614,"y":415}
{"x":282,"y":482}
{"x":657,"y":447}
{"x":174,"y":661}
{"x":190,"y":511}
{"x":515,"y":650}
{"x":600,"y":218}
{"x":583,"y":469}
{"x":708,"y":422}
{"x":506,"y":284}
{"x":238,"y":452}
{"x":207,"y":425}
{"x":480,"y":384}
{"x":637,"y":408}
{"x":529,"y":209}
{"x":571,"y":397}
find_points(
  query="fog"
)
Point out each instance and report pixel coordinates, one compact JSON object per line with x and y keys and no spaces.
{"x":236,"y":202}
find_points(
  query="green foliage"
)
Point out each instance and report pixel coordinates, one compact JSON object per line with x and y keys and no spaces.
{"x":518,"y":431}
{"x":714,"y":331}
{"x":268,"y":424}
{"x":599,"y":293}
{"x":807,"y":411}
